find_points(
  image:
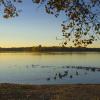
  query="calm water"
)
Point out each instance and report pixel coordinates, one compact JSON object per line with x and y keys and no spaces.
{"x":50,"y":68}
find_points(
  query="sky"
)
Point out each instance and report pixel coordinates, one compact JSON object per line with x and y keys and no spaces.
{"x":31,"y":28}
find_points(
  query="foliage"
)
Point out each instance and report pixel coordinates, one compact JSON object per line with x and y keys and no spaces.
{"x":82,"y":23}
{"x":9,"y":8}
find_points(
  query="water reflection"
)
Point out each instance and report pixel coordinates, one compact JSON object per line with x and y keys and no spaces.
{"x":50,"y":68}
{"x":64,"y":72}
{"x":45,"y":74}
{"x":68,"y":73}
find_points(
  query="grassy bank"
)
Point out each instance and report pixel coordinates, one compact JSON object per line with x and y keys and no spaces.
{"x":49,"y":92}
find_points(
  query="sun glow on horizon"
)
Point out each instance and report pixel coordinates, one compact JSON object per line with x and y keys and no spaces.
{"x":32,"y":28}
{"x":31,"y":44}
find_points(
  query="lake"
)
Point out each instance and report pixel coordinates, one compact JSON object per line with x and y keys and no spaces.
{"x":50,"y":68}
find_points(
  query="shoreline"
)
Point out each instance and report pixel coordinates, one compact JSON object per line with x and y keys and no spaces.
{"x":49,"y":49}
{"x":49,"y":92}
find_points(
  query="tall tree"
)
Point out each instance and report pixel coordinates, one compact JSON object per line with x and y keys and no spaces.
{"x":82,"y":24}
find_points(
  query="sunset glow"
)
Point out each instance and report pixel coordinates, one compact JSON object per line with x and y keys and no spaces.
{"x":31,"y":28}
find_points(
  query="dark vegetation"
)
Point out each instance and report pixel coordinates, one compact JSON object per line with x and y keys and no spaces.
{"x":49,"y":49}
{"x":49,"y":92}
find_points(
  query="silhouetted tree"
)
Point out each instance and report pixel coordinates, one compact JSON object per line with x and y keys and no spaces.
{"x":82,"y":24}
